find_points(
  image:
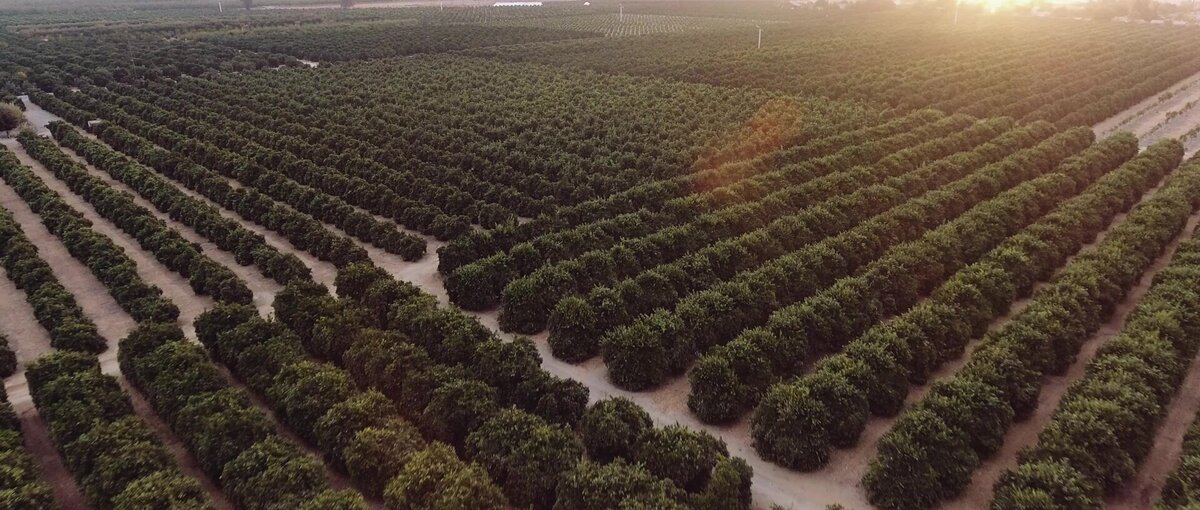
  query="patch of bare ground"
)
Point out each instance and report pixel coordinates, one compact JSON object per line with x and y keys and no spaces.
{"x":1144,"y":489}
{"x":1144,"y":116}
{"x":1025,"y":433}
{"x":30,"y":341}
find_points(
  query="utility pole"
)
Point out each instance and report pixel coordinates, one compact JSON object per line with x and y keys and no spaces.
{"x":220,"y":8}
{"x":956,"y":4}
{"x":759,"y":36}
{"x":622,"y":8}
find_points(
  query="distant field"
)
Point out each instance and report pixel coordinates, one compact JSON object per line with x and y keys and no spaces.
{"x":615,"y":25}
{"x":382,"y":39}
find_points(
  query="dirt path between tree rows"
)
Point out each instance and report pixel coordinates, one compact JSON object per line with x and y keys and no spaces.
{"x":175,"y":288}
{"x":1025,"y":433}
{"x":30,"y":341}
{"x":1144,"y":490}
{"x":263,"y":288}
{"x":1148,"y":119}
{"x":99,"y":306}
{"x":322,"y":272}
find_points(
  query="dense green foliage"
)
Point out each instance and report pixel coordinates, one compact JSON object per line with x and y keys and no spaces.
{"x":938,"y":442}
{"x":880,"y":363}
{"x":116,"y":458}
{"x":20,"y":488}
{"x":911,"y":60}
{"x":807,"y":230}
{"x":234,"y":442}
{"x":107,"y":261}
{"x":1105,"y":425}
{"x":229,"y":235}
{"x":205,"y":275}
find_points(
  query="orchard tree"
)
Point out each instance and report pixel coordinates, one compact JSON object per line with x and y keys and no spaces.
{"x":376,"y":455}
{"x":162,"y":489}
{"x":457,"y":409}
{"x":1046,"y":484}
{"x":338,"y":427}
{"x":525,"y":455}
{"x":791,"y":427}
{"x":10,"y":117}
{"x":612,"y":427}
{"x":220,"y":426}
{"x":436,"y":479}
{"x":680,"y":455}
{"x":272,"y":474}
{"x":598,"y":486}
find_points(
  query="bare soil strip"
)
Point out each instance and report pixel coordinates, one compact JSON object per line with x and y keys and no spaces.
{"x":1144,"y":116}
{"x":30,"y":341}
{"x":1144,"y":489}
{"x":1022,"y":434}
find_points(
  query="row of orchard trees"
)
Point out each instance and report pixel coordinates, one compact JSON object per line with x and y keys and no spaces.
{"x":247,"y":247}
{"x":114,"y":455}
{"x":318,"y":194}
{"x":380,"y":40}
{"x":806,"y":142}
{"x":929,"y":454}
{"x":650,"y":348}
{"x":206,"y":276}
{"x":301,"y":230}
{"x":304,"y":153}
{"x":573,"y":141}
{"x":1105,"y":425}
{"x":492,"y":401}
{"x":53,"y":307}
{"x":537,"y":279}
{"x":104,"y":258}
{"x":1088,"y":76}
{"x":872,"y":374}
